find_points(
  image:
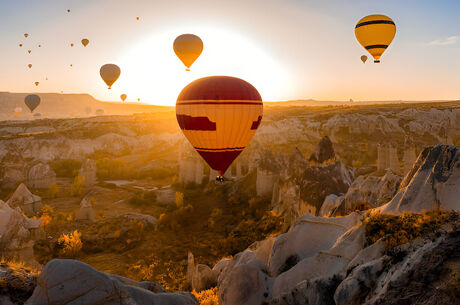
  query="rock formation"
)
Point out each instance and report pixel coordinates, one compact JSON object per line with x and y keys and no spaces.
{"x":265,"y":182}
{"x":409,"y":159}
{"x":74,"y":282}
{"x":86,"y":211}
{"x":432,"y":182}
{"x":323,"y":152}
{"x":387,"y":157}
{"x":367,"y":192}
{"x":25,"y":200}
{"x":16,"y":230}
{"x":40,"y":176}
{"x":89,"y":171}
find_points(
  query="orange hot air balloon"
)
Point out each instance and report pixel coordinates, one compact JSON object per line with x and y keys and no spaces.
{"x":84,"y":42}
{"x":29,"y":65}
{"x":26,"y":35}
{"x":188,"y":48}
{"x":123,"y":97}
{"x":39,"y":45}
{"x":71,"y":45}
{"x":68,"y":11}
{"x":20,"y":45}
{"x":138,"y":99}
{"x":219,"y":115}
{"x":37,"y":83}
{"x":137,"y":18}
{"x":30,"y":51}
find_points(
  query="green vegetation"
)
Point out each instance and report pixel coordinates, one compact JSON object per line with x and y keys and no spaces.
{"x":68,"y":168}
{"x":108,"y":168}
{"x":78,"y":186}
{"x":53,"y":190}
{"x":143,"y":199}
{"x":400,"y":229}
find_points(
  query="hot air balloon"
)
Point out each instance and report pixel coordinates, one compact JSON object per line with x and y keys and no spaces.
{"x":138,"y":99}
{"x":39,"y":45}
{"x":364,"y":58}
{"x":32,"y":101}
{"x":375,"y":33}
{"x":188,"y":48}
{"x":219,"y":115}
{"x":29,"y":65}
{"x":110,"y":74}
{"x":26,"y":35}
{"x":37,"y":83}
{"x":84,"y":42}
{"x":29,"y":51}
{"x":71,"y":45}
{"x":123,"y":97}
{"x":71,"y":65}
{"x":17,"y":111}
{"x":137,"y":18}
{"x":68,"y":11}
{"x":20,"y":45}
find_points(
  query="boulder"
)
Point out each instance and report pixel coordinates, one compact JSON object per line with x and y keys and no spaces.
{"x":73,"y":282}
{"x":17,"y":283}
{"x":40,"y":176}
{"x":202,"y":277}
{"x":330,"y":204}
{"x":432,"y":182}
{"x":323,"y":152}
{"x":89,"y":171}
{"x":25,"y":200}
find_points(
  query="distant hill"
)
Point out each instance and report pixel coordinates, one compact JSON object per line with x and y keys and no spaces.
{"x":54,"y":105}
{"x":312,"y":103}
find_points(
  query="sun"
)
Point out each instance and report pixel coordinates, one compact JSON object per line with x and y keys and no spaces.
{"x":152,"y":72}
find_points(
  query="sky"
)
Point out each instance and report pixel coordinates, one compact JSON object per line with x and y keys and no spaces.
{"x":287,"y":49}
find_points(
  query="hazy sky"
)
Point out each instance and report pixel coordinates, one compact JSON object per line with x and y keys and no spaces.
{"x":288,"y":49}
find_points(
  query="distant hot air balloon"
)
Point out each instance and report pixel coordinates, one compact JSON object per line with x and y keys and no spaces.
{"x":123,"y":97}
{"x":32,"y":101}
{"x":71,"y":65}
{"x":29,"y":51}
{"x":375,"y":33}
{"x":364,"y":58}
{"x":20,"y":45}
{"x":68,"y":11}
{"x":219,"y":115}
{"x":138,"y":99}
{"x":26,"y":35}
{"x":71,"y":45}
{"x":39,"y":45}
{"x":37,"y":83}
{"x":29,"y":65}
{"x":84,"y":42}
{"x":188,"y":48}
{"x":110,"y":74}
{"x":46,"y":78}
{"x":137,"y":18}
{"x":17,"y":111}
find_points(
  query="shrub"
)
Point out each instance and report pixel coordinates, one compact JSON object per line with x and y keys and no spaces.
{"x":78,"y":186}
{"x":143,"y":198}
{"x":53,"y":190}
{"x":68,"y":168}
{"x":400,"y":229}
{"x":207,"y":297}
{"x":115,"y":169}
{"x":70,"y":243}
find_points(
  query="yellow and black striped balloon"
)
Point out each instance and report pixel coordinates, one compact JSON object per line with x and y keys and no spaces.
{"x":375,"y":33}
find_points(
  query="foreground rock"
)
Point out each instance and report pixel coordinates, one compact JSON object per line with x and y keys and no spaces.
{"x":72,"y":282}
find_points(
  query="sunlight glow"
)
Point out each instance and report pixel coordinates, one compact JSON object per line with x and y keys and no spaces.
{"x":152,"y":72}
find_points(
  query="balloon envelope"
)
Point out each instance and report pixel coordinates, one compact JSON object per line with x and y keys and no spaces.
{"x":364,"y":58}
{"x":32,"y":101}
{"x":188,"y":48}
{"x":110,"y":74}
{"x":37,"y":83}
{"x":84,"y":42}
{"x":26,"y":35}
{"x":375,"y":33}
{"x":219,"y":115}
{"x":123,"y":97}
{"x":29,"y":65}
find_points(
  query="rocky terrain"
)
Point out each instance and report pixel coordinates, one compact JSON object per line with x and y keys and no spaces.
{"x":300,"y":219}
